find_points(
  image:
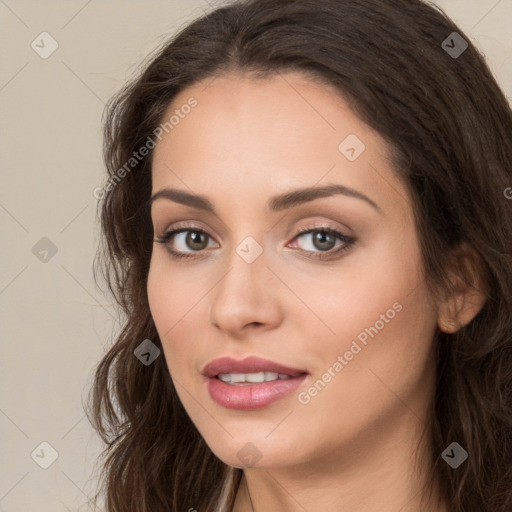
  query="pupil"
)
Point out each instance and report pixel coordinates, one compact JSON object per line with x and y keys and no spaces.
{"x":195,"y":238}
{"x":321,"y":239}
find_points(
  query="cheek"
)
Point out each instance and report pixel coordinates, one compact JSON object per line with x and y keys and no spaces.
{"x":376,"y":313}
{"x":172,"y":294}
{"x":173,"y":300}
{"x":385,"y":341}
{"x":373,"y":369}
{"x":160,"y":297}
{"x":340,"y":302}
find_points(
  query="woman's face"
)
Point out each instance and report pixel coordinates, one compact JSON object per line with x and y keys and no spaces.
{"x":346,"y":312}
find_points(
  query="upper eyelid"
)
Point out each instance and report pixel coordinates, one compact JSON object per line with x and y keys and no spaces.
{"x":178,"y":229}
{"x":178,"y":226}
{"x":318,"y":224}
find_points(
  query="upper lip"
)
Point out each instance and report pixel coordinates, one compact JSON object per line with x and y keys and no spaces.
{"x":249,"y":365}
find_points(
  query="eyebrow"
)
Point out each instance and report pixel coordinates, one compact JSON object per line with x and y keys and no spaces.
{"x":277,"y":203}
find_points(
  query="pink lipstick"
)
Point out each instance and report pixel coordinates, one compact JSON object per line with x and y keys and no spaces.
{"x":251,"y":383}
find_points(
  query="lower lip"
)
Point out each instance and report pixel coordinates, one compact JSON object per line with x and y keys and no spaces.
{"x":252,"y":396}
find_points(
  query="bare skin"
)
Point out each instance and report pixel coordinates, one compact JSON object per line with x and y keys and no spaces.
{"x":352,"y":445}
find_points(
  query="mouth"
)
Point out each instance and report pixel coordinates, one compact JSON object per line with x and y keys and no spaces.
{"x":243,"y":379}
{"x":252,"y":383}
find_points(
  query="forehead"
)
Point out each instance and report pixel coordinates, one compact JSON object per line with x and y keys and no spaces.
{"x":284,"y":130}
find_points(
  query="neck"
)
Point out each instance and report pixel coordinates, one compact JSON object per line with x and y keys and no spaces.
{"x":369,"y":478}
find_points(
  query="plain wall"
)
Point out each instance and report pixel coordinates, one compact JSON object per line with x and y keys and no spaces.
{"x":55,"y":322}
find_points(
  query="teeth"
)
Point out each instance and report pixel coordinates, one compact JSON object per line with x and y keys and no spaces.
{"x":253,"y":377}
{"x":237,"y":378}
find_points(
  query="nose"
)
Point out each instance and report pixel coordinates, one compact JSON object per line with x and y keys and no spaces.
{"x":246,"y":297}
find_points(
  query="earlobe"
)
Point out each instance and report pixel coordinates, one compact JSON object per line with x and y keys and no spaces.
{"x":446,"y":321}
{"x":459,"y":309}
{"x":468,"y":294}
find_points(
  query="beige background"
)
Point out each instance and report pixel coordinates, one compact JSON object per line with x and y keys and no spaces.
{"x":55,"y":323}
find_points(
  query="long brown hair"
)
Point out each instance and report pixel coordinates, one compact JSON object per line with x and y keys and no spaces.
{"x":450,"y":130}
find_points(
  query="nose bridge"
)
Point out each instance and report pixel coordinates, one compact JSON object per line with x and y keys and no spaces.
{"x":246,"y":268}
{"x":244,"y":293}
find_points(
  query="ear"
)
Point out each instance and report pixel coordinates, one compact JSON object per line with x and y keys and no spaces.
{"x":468,"y":293}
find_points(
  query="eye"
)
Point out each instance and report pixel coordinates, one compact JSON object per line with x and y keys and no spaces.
{"x":324,"y":240}
{"x":194,"y":238}
{"x":321,"y":241}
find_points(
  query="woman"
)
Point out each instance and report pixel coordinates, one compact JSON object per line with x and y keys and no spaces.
{"x":306,"y":224}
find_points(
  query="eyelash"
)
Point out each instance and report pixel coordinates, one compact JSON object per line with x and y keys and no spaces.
{"x":321,"y":255}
